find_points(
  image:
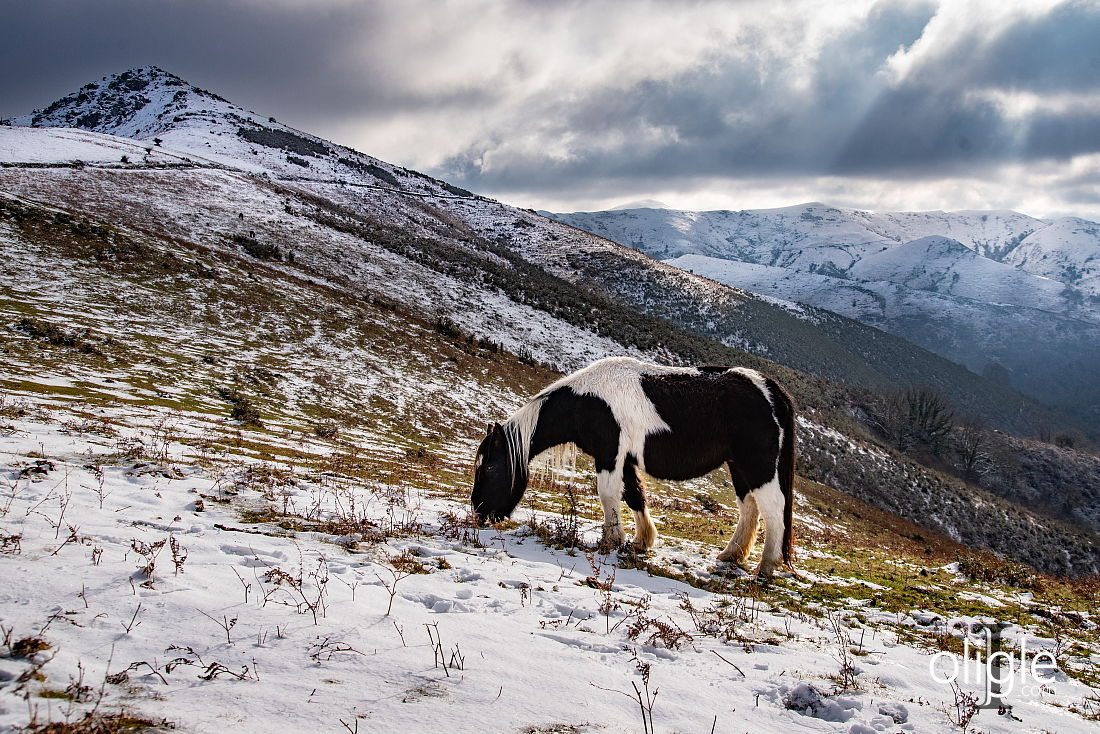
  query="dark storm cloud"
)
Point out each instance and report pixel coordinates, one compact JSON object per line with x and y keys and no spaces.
{"x":723,"y":117}
{"x":727,"y":118}
{"x":1056,"y":52}
{"x":939,"y":121}
{"x":541,"y":96}
{"x":308,"y":61}
{"x":925,"y":132}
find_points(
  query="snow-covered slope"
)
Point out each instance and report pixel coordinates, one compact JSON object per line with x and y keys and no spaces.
{"x":138,"y":596}
{"x":816,"y":237}
{"x":971,"y":286}
{"x":492,"y":276}
{"x":68,"y":146}
{"x":947,"y":267}
{"x":251,"y":149}
{"x":1066,"y":251}
{"x":160,"y":109}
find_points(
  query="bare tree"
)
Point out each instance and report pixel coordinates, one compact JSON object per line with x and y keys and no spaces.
{"x":971,"y":443}
{"x":920,"y":415}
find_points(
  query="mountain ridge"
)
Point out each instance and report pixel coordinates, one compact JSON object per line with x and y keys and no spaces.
{"x":954,"y":301}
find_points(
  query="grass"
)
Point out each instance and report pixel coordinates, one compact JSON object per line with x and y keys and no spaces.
{"x":100,"y":723}
{"x":275,"y":322}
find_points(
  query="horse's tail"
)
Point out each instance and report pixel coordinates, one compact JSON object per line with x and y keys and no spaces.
{"x":785,"y":415}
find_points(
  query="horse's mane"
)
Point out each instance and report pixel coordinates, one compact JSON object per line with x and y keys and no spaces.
{"x":519,"y":430}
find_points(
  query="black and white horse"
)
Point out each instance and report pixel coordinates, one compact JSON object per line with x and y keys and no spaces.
{"x":670,"y":422}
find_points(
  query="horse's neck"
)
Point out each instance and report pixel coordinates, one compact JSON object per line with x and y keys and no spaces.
{"x":547,"y":439}
{"x":551,"y":429}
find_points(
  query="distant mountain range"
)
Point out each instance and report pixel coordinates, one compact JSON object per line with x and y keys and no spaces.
{"x":1009,"y":296}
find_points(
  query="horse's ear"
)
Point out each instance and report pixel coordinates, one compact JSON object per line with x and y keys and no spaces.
{"x":495,"y":428}
{"x":488,"y":429}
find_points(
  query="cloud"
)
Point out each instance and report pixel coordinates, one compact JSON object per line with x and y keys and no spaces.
{"x":990,"y":95}
{"x":747,"y":107}
{"x":615,"y":100}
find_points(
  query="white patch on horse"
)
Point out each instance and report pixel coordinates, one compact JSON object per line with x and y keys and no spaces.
{"x":618,"y":382}
{"x":757,"y":379}
{"x":769,"y":499}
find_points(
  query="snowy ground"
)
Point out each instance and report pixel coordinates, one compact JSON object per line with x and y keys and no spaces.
{"x":220,"y":578}
{"x":159,"y":594}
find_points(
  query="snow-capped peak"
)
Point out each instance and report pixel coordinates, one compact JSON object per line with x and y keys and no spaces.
{"x":137,"y":103}
{"x":150,"y":104}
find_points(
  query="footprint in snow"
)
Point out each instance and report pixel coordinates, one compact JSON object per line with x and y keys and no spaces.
{"x":252,"y":556}
{"x":439,"y":604}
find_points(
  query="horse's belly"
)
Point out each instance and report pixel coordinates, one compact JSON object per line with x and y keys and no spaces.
{"x":669,"y":458}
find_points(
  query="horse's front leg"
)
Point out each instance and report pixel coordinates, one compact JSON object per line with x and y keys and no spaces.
{"x":609,"y":484}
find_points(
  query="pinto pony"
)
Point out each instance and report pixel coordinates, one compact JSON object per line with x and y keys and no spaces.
{"x":669,"y":422}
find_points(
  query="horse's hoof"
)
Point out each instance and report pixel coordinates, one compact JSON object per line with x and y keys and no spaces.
{"x":733,"y":560}
{"x":729,"y":569}
{"x":607,"y":547}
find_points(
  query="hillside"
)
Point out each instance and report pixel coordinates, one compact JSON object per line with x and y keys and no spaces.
{"x":238,"y":406}
{"x":990,"y":282}
{"x":457,"y":265}
{"x":152,"y":105}
{"x":235,"y":499}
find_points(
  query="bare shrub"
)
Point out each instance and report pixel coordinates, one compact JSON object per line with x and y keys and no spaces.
{"x":918,"y":416}
{"x":148,"y":551}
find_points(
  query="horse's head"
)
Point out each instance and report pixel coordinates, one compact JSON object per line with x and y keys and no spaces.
{"x":498,"y":484}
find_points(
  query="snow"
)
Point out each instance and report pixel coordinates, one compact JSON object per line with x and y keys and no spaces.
{"x":37,"y":145}
{"x":252,"y":628}
{"x":969,"y":286}
{"x":149,"y":104}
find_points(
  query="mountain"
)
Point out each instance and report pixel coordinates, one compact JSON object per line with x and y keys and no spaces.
{"x":971,"y":286}
{"x":151,"y":104}
{"x":239,"y":400}
{"x":410,"y":312}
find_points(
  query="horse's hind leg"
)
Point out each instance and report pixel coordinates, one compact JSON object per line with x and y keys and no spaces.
{"x":645,"y":532}
{"x":609,"y":485}
{"x":744,"y":535}
{"x":769,"y":498}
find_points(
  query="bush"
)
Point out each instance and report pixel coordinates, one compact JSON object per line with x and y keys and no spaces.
{"x":257,"y":249}
{"x":446,"y":327}
{"x":918,"y":416}
{"x":58,"y":337}
{"x":242,"y":410}
{"x":992,"y":570}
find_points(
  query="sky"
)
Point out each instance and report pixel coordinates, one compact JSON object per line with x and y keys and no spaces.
{"x":569,"y":105}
